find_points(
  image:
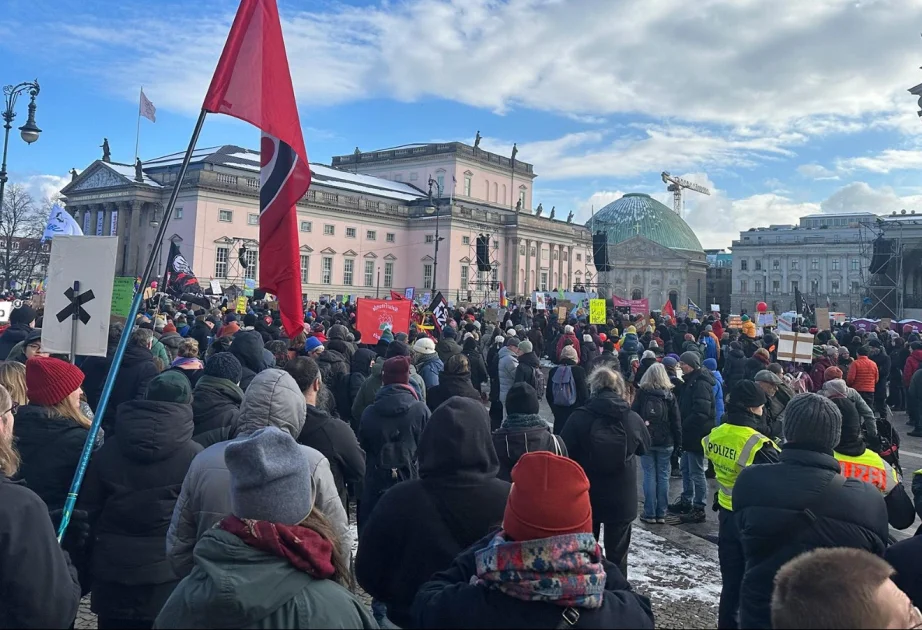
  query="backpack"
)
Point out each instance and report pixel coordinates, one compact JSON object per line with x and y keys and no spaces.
{"x":655,"y":414}
{"x":608,"y":446}
{"x":563,"y":387}
{"x":395,"y":460}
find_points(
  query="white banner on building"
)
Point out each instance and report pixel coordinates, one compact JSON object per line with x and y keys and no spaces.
{"x":100,"y":221}
{"x":113,"y":225}
{"x":87,"y":217}
{"x":91,"y":262}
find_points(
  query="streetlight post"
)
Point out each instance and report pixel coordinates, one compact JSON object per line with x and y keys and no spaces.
{"x":435,"y":263}
{"x":29,"y":132}
{"x":378,"y":286}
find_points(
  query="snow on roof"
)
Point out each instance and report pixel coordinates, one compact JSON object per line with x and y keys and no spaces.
{"x":128,"y":171}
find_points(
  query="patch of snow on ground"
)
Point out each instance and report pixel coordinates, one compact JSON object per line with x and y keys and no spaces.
{"x":666,"y":572}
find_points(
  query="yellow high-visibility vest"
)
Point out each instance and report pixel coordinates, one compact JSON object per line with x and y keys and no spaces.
{"x":871,"y":468}
{"x":731,"y":448}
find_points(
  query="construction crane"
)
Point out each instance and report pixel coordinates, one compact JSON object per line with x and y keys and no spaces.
{"x":675,"y":186}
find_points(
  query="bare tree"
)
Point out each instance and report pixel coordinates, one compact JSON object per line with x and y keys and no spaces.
{"x":21,"y":227}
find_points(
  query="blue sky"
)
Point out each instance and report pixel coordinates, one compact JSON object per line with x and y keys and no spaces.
{"x":781,"y":108}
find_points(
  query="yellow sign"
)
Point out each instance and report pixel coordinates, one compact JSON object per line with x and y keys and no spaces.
{"x":597,"y":311}
{"x":242,"y":304}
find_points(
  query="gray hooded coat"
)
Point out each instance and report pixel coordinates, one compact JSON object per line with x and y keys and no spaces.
{"x":272,"y":399}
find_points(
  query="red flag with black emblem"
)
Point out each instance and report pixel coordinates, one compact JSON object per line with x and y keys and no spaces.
{"x":253,"y":83}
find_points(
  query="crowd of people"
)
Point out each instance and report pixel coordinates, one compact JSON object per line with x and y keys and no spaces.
{"x":233,"y":459}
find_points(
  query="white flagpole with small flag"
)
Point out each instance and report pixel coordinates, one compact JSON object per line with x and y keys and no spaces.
{"x":148,"y":111}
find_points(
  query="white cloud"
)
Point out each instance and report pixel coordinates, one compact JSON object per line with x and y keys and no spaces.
{"x":884,"y":162}
{"x":814,"y":67}
{"x":860,"y":197}
{"x":817,"y":172}
{"x":41,"y":187}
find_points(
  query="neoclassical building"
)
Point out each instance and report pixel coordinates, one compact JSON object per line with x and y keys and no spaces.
{"x":366,"y":226}
{"x":653,"y":253}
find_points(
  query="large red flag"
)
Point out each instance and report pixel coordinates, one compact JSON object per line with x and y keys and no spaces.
{"x":253,"y":83}
{"x":668,"y":310}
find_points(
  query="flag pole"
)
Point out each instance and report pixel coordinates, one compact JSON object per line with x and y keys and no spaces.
{"x":137,"y":137}
{"x":126,"y":335}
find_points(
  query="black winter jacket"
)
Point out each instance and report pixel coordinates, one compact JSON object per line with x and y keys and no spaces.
{"x":667,"y":429}
{"x":603,"y":437}
{"x":38,"y":586}
{"x":347,"y":391}
{"x":13,"y":335}
{"x":697,"y":409}
{"x":248,"y":348}
{"x":478,"y":365}
{"x":883,"y":370}
{"x":333,"y":366}
{"x":561,"y":414}
{"x":781,"y":512}
{"x":135,"y":373}
{"x":201,"y":332}
{"x":215,"y":410}
{"x":396,"y":419}
{"x":335,"y":439}
{"x":449,"y":600}
{"x":129,"y":493}
{"x":419,"y":526}
{"x":752,"y":367}
{"x":447,"y":348}
{"x":515,"y":438}
{"x":171,"y":341}
{"x":525,"y":371}
{"x":451,"y":385}
{"x":734,"y":368}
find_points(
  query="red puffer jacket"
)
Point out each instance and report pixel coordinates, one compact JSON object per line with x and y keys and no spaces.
{"x":863,"y":375}
{"x":912,"y":364}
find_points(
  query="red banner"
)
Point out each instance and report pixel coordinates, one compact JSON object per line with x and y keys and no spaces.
{"x":636,"y":306}
{"x":371,"y":315}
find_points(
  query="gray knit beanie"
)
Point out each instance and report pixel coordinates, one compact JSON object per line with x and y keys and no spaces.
{"x":693,"y":360}
{"x":813,"y":421}
{"x":224,"y":365}
{"x":270,"y":477}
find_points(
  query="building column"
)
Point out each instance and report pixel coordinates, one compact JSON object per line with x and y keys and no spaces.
{"x":538,"y":259}
{"x":559,"y":267}
{"x":569,"y":250}
{"x":135,"y":255}
{"x":527,"y":291}
{"x":124,"y":212}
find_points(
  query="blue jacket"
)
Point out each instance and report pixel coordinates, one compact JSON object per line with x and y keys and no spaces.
{"x":710,"y":350}
{"x":718,"y":394}
{"x":429,"y":367}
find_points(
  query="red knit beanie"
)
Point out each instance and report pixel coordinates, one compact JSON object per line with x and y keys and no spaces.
{"x":396,"y":370}
{"x":831,"y":373}
{"x":169,"y":328}
{"x":549,"y":497}
{"x":50,"y":380}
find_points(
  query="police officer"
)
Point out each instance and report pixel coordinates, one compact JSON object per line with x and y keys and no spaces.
{"x":741,"y":440}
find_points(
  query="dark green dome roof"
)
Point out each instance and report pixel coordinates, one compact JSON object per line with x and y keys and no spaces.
{"x":638,"y":214}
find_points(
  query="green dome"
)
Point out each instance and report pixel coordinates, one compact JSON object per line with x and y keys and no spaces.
{"x":638,"y":214}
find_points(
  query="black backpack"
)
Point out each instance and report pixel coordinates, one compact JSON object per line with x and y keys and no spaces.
{"x":655,"y":413}
{"x":395,"y":460}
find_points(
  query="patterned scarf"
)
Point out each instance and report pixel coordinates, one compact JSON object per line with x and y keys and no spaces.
{"x":563,"y":570}
{"x":192,"y":362}
{"x":304,"y":548}
{"x":523,"y":421}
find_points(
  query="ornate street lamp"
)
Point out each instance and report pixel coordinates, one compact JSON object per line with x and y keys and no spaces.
{"x":29,"y":132}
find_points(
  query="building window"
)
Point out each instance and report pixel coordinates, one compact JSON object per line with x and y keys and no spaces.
{"x":371,"y":235}
{"x":350,"y":232}
{"x":305,"y":268}
{"x":522,"y":197}
{"x":856,"y":264}
{"x":430,"y":238}
{"x":369,"y":273}
{"x":348,"y":268}
{"x":758,"y":286}
{"x":834,"y":287}
{"x":465,"y":271}
{"x":856,"y":287}
{"x":795,"y":264}
{"x":494,"y":275}
{"x":758,"y":265}
{"x":389,"y":237}
{"x":532,"y":252}
{"x":388,"y":274}
{"x":776,"y":287}
{"x":220,"y":262}
{"x":440,"y":180}
{"x":225,"y":216}
{"x":398,"y":177}
{"x":467,"y":185}
{"x":588,"y":259}
{"x":413,"y":176}
{"x":252,"y":219}
{"x":465,"y":240}
{"x":427,"y":276}
{"x":579,"y":258}
{"x":521,"y":250}
{"x":326,"y":270}
{"x":544,"y":254}
{"x":306,"y":226}
{"x":744,"y":265}
{"x":252,"y":259}
{"x":178,"y":214}
{"x":776,"y":264}
{"x":814,"y":286}
{"x":795,"y":286}
{"x":835,"y":264}
{"x":544,"y":281}
{"x":554,"y":255}
{"x":815,"y":264}
{"x":329,"y":230}
{"x":744,"y":286}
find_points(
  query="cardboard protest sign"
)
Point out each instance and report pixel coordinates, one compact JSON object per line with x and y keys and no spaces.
{"x":796,"y":347}
{"x":822,"y":318}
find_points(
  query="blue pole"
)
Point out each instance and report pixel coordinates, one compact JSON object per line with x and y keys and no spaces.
{"x":126,"y":335}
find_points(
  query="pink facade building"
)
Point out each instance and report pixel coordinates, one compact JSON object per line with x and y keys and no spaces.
{"x":368,"y":224}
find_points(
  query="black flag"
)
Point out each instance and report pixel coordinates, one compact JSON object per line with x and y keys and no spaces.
{"x":802,"y":307}
{"x":439,"y":309}
{"x":181,"y":283}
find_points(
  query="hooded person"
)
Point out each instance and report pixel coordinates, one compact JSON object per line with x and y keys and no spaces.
{"x":448,"y":346}
{"x":801,"y":503}
{"x":389,"y":433}
{"x":248,"y":348}
{"x":274,"y":561}
{"x":569,"y":336}
{"x":543,"y":569}
{"x":454,"y":381}
{"x":734,"y":369}
{"x":216,"y":400}
{"x":336,"y":341}
{"x":479,"y":375}
{"x":129,"y":493}
{"x":171,"y":340}
{"x":273,"y":399}
{"x":22,"y":321}
{"x":419,"y":526}
{"x":523,"y":430}
{"x":348,"y":391}
{"x":369,"y":389}
{"x":711,"y":366}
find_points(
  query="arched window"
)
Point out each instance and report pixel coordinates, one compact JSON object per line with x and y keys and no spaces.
{"x":636,"y":294}
{"x":504,"y":195}
{"x":495,"y":192}
{"x":674,"y":298}
{"x":486,"y":190}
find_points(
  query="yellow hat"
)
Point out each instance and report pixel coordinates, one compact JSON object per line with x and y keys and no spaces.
{"x":631,"y":329}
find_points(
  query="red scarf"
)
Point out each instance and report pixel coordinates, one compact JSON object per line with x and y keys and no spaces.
{"x":304,"y":548}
